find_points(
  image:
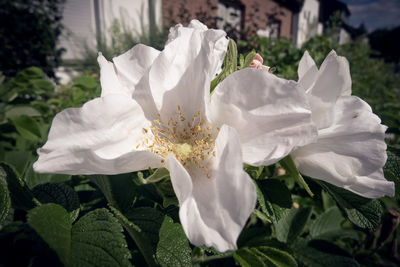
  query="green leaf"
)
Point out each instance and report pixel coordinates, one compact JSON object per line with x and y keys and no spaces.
{"x":231,"y":57}
{"x":166,"y":191}
{"x":22,"y":110}
{"x":276,"y":192}
{"x":85,"y":82}
{"x":288,"y":164}
{"x":230,"y":65}
{"x":312,"y":257}
{"x":27,"y":127}
{"x":273,"y":211}
{"x":248,"y":258}
{"x":363,"y":212}
{"x":5,"y":201}
{"x":21,"y":196}
{"x":328,"y":221}
{"x":393,"y":163}
{"x":60,"y":194}
{"x":249,"y":58}
{"x":97,"y":240}
{"x":391,"y":177}
{"x":33,"y":178}
{"x":141,"y":240}
{"x":392,"y":171}
{"x":289,"y":227}
{"x":173,"y":248}
{"x":53,"y":224}
{"x":149,"y":220}
{"x":276,"y":257}
{"x":122,"y":190}
{"x":20,"y":160}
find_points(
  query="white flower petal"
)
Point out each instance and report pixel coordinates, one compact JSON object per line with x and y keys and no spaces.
{"x":270,"y":114}
{"x":110,"y":84}
{"x":133,"y":64}
{"x":307,"y":71}
{"x":333,"y":80}
{"x":99,"y":138}
{"x":182,"y":73}
{"x":214,"y":210}
{"x":350,"y":153}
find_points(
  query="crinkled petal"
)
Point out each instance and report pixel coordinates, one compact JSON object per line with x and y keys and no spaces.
{"x":333,"y":80}
{"x":270,"y":114}
{"x":99,"y":138}
{"x":214,"y":210}
{"x":133,"y":64}
{"x":350,"y":153}
{"x":307,"y":71}
{"x":182,"y":73}
{"x":110,"y":84}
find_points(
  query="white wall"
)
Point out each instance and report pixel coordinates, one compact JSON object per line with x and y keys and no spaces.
{"x":80,"y":22}
{"x":132,"y":14}
{"x":78,"y":19}
{"x":307,"y":22}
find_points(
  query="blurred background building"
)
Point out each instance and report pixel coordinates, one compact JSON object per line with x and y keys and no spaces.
{"x":298,"y":20}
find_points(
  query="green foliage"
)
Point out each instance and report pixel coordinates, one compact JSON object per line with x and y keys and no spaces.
{"x":60,"y":194}
{"x":95,"y":240}
{"x":21,"y":196}
{"x":289,"y":227}
{"x":5,"y":201}
{"x":53,"y":224}
{"x":178,"y":254}
{"x":279,"y":54}
{"x":363,"y":212}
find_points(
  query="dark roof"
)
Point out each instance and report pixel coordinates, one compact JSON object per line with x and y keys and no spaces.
{"x":293,"y":5}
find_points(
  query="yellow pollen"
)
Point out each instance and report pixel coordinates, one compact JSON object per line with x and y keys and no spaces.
{"x":183,"y":150}
{"x":190,"y":141}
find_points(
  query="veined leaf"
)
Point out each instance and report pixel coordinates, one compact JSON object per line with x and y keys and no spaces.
{"x":53,"y":224}
{"x":149,"y":220}
{"x":249,"y":58}
{"x":290,"y":226}
{"x":328,"y":221}
{"x":276,"y":257}
{"x":363,"y":212}
{"x":60,"y":194}
{"x":21,"y":196}
{"x":312,"y":257}
{"x":141,"y":240}
{"x":173,"y":248}
{"x":95,"y":240}
{"x":5,"y":201}
{"x":248,"y":258}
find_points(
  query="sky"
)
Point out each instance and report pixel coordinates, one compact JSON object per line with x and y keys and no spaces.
{"x":374,"y":13}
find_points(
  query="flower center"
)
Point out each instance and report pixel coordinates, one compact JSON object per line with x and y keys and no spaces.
{"x":191,"y":141}
{"x":183,"y":150}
